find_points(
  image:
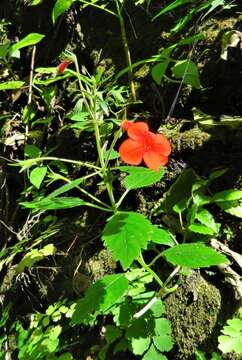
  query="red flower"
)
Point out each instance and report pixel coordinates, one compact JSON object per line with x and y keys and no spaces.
{"x":62,"y":66}
{"x":144,"y":145}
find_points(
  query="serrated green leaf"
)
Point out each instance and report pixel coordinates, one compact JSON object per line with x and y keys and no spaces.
{"x":112,"y":333}
{"x":11,"y":85}
{"x":163,"y":342}
{"x":187,"y":70}
{"x":29,"y":40}
{"x":161,"y":236}
{"x":100,"y":297}
{"x":140,"y":345}
{"x":162,"y":327}
{"x":37,"y":175}
{"x":227,"y":195}
{"x":50,"y":203}
{"x":180,"y":190}
{"x":158,"y":71}
{"x":232,"y":207}
{"x":60,"y":7}
{"x":140,"y":176}
{"x":125,"y":234}
{"x":194,"y":255}
{"x":228,"y":344}
{"x":207,"y":219}
{"x":200,"y":229}
{"x":158,"y":308}
{"x":153,"y":354}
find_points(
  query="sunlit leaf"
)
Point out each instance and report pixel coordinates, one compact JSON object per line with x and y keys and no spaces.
{"x":194,"y":255}
{"x":125,"y":234}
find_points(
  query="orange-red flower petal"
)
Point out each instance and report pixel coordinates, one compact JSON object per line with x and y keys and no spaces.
{"x":161,"y":144}
{"x":132,"y":152}
{"x":139,"y":130}
{"x":154,"y":160}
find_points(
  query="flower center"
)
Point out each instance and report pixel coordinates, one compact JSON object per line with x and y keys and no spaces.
{"x":148,"y":147}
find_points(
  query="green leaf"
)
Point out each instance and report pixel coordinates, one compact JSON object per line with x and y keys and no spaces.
{"x":37,"y":175}
{"x":180,"y":190}
{"x":158,"y":308}
{"x":163,"y":339}
{"x":140,"y":345}
{"x":140,"y":176}
{"x":194,"y":255}
{"x":32,"y":151}
{"x":66,"y":187}
{"x":200,"y":229}
{"x":153,"y":354}
{"x":207,"y":219}
{"x":227,"y":195}
{"x":60,"y":7}
{"x":34,"y":256}
{"x":57,"y":203}
{"x":158,"y":71}
{"x":125,"y":235}
{"x":163,"y":342}
{"x":30,"y":39}
{"x":35,"y":2}
{"x":232,"y":338}
{"x":161,"y":236}
{"x":171,"y":7}
{"x":187,"y":70}
{"x":112,"y":333}
{"x":110,"y":155}
{"x":11,"y":85}
{"x":232,"y":207}
{"x":100,"y":297}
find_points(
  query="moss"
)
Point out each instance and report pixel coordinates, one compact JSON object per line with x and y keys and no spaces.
{"x":185,"y":140}
{"x":193,"y":311}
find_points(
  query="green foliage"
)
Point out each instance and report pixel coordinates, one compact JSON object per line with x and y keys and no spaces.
{"x":194,"y":255}
{"x":29,"y":40}
{"x":140,"y":177}
{"x":188,"y":72}
{"x":33,"y":256}
{"x":61,"y":6}
{"x":231,"y":340}
{"x":37,"y":176}
{"x":100,"y":297}
{"x":11,"y":85}
{"x":125,"y":234}
{"x":42,"y":339}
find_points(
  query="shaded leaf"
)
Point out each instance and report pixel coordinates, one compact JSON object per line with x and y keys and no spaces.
{"x":187,"y":70}
{"x":100,"y":297}
{"x":50,"y":203}
{"x":60,"y":7}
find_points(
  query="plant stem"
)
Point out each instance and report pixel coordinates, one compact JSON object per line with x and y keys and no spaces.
{"x":100,"y":154}
{"x":31,"y":162}
{"x":126,"y":51}
{"x":147,"y":268}
{"x":86,"y":193}
{"x":122,"y":198}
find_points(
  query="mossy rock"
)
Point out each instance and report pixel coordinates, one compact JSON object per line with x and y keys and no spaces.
{"x":193,"y":311}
